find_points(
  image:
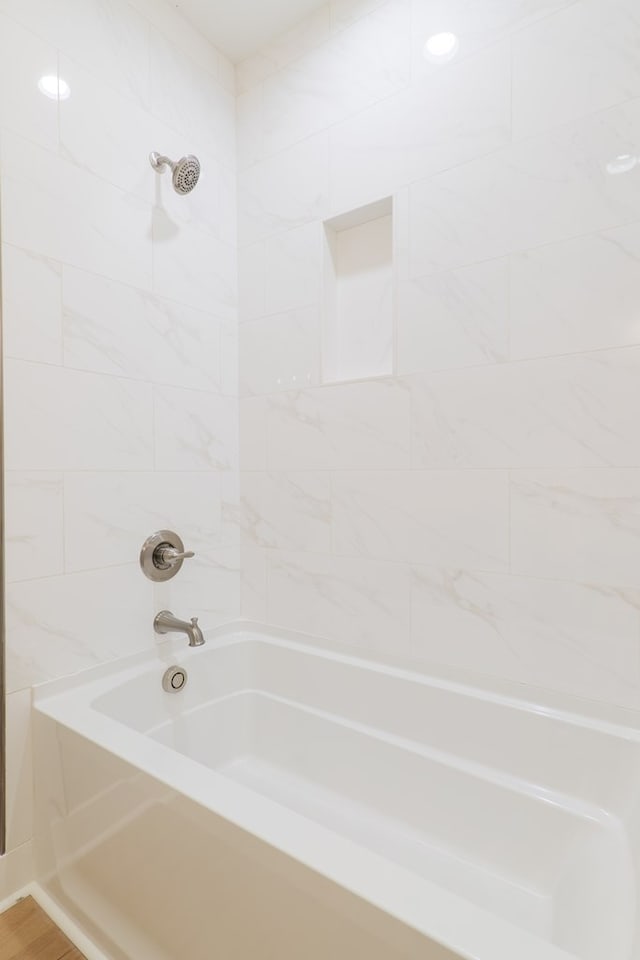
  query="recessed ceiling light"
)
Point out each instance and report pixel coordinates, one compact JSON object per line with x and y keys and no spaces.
{"x":54,"y":87}
{"x":623,"y":164}
{"x":441,"y":47}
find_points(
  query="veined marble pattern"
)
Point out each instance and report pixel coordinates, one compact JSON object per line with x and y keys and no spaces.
{"x":284,"y":191}
{"x":113,"y":328}
{"x":31,"y":306}
{"x":61,"y":419}
{"x":108,"y":516}
{"x":287,"y":511}
{"x":563,"y":411}
{"x":577,"y":295}
{"x":455,"y":319}
{"x":450,"y":118}
{"x":23,"y":58}
{"x":54,"y":208}
{"x":355,"y":68}
{"x":597,"y":69}
{"x":359,"y":602}
{"x":537,"y":191}
{"x":266,"y":366}
{"x":292,"y":265}
{"x":106,"y":36}
{"x":577,"y":525}
{"x":111,"y":284}
{"x":194,"y":430}
{"x":534,"y":631}
{"x":347,"y":426}
{"x":34,"y":525}
{"x":450,"y":517}
{"x":44,"y":641}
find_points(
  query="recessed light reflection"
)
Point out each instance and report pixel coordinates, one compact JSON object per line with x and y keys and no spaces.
{"x":54,"y":87}
{"x":441,"y":47}
{"x":625,"y":163}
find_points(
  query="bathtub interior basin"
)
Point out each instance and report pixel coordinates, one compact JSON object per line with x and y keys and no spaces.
{"x":527,"y":813}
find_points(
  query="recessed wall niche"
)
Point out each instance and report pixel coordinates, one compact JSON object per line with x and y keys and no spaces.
{"x":357,"y":340}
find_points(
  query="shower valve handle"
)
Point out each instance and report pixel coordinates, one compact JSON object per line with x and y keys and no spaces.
{"x":169,"y":555}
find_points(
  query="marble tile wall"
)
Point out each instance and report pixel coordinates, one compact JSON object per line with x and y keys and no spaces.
{"x":120,"y":342}
{"x":480,"y":509}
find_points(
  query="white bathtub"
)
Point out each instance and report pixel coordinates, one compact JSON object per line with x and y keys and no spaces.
{"x":295,"y":803}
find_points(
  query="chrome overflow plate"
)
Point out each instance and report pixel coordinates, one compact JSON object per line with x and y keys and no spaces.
{"x":174,"y":679}
{"x":162,"y":555}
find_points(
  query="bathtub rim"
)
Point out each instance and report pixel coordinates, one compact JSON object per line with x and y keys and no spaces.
{"x":419,"y":903}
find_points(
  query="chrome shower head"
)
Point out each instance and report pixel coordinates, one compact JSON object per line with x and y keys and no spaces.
{"x":186,"y":172}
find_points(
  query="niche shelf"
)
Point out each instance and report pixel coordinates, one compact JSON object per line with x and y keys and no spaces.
{"x":357,"y":339}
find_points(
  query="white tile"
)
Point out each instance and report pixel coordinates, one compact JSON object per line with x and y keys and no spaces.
{"x":208,"y":589}
{"x":254,"y":583}
{"x":194,"y":430}
{"x":543,"y":190}
{"x":287,"y":511}
{"x":361,"y":603}
{"x":24,"y":60}
{"x":292,"y":267}
{"x":116,"y":149}
{"x":565,"y":411}
{"x":117,"y":329}
{"x":582,"y":60}
{"x":31,"y":306}
{"x":56,"y":209}
{"x":532,"y":631}
{"x":252,"y":282}
{"x":193,"y":267}
{"x":60,"y":625}
{"x":108,"y":516}
{"x":253,"y":433}
{"x":188,"y":98}
{"x":577,"y":295}
{"x":281,"y":352}
{"x":60,"y":419}
{"x":34,"y":525}
{"x":476,"y":25}
{"x":284,"y":191}
{"x":345,"y":12}
{"x":446,"y":120}
{"x":249,"y":126}
{"x":449,"y":517}
{"x":107,"y":36}
{"x":294,"y":43}
{"x":359,"y":66}
{"x":347,"y":426}
{"x":454,"y":319}
{"x":579,"y":525}
{"x":19,"y":769}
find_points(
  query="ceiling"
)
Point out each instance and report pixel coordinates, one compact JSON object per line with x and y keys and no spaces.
{"x":240,"y":27}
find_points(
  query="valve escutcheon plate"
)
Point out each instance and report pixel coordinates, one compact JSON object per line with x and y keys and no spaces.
{"x":151,"y":562}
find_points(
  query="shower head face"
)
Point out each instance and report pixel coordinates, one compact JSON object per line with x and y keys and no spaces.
{"x":186,"y":173}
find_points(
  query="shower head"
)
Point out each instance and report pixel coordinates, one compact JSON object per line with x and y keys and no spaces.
{"x":186,"y":172}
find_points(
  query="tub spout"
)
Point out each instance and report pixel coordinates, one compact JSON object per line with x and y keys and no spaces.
{"x":165,"y":622}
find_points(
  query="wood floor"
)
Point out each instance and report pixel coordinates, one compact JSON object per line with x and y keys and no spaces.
{"x":27,"y":933}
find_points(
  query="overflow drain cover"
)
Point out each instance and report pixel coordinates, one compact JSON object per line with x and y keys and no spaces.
{"x":174,"y":679}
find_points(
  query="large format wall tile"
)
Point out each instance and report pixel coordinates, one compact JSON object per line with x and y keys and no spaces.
{"x":563,"y":411}
{"x":59,"y":419}
{"x":31,"y":306}
{"x":54,"y":208}
{"x":348,"y":426}
{"x":577,"y":525}
{"x":34,"y":528}
{"x":358,"y":602}
{"x":24,"y":58}
{"x":514,"y":170}
{"x":536,"y":631}
{"x":441,"y":516}
{"x":117,"y":329}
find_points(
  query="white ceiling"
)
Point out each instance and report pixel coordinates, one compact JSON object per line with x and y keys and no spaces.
{"x":240,"y":27}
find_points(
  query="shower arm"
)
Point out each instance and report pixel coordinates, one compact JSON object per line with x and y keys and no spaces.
{"x":158,"y":162}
